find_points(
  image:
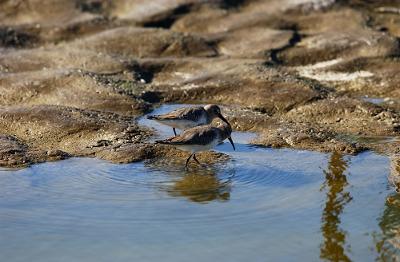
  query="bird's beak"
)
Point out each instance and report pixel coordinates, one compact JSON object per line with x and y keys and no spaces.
{"x":223,"y":119}
{"x":233,"y":145}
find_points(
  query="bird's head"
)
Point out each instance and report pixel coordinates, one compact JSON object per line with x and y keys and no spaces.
{"x":226,"y":131}
{"x":214,"y":111}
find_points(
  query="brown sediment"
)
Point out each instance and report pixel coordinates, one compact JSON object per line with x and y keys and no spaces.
{"x":76,"y":75}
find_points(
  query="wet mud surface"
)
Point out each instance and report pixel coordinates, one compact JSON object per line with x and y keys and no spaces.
{"x":75,"y":76}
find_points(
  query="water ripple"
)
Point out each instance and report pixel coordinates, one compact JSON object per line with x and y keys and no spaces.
{"x":260,"y":202}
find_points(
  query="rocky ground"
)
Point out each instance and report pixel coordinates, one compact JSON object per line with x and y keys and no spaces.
{"x":309,"y":74}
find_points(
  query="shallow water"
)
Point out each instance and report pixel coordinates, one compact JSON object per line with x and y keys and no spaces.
{"x":374,"y":100}
{"x":261,"y":205}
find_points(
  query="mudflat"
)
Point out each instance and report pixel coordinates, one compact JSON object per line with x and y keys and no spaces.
{"x":75,"y":76}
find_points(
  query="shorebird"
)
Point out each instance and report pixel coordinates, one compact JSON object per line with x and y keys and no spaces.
{"x":200,"y":138}
{"x":189,"y":117}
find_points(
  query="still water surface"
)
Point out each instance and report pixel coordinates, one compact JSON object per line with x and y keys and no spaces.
{"x":261,"y":205}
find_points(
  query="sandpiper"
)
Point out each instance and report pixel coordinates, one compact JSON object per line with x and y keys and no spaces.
{"x":200,"y":138}
{"x":189,"y":117}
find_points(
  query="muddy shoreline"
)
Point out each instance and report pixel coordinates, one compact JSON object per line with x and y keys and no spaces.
{"x":75,"y":81}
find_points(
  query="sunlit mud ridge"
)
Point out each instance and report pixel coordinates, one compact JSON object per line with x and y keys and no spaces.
{"x":76,"y":75}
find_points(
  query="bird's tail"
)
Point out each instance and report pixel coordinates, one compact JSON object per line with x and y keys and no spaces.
{"x":164,"y":142}
{"x":168,"y":141}
{"x":152,"y":117}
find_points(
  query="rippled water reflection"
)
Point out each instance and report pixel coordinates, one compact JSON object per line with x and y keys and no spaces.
{"x":261,"y":205}
{"x":337,"y":198}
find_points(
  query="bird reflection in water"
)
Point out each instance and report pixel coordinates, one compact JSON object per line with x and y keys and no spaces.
{"x":387,"y":242}
{"x":333,"y":247}
{"x":201,"y":186}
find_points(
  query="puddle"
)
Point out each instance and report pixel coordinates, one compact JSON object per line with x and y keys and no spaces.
{"x":262,"y":204}
{"x":374,"y":100}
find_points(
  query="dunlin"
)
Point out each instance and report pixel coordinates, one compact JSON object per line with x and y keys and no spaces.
{"x":201,"y":138}
{"x":189,"y":117}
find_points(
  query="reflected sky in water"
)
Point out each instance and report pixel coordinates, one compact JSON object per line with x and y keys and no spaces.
{"x":260,"y":205}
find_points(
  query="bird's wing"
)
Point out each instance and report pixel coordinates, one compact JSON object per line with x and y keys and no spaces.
{"x":201,"y":135}
{"x":191,"y":113}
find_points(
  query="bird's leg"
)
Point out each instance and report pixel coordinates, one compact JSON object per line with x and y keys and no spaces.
{"x":174,"y":130}
{"x":187,"y":161}
{"x":195,"y":159}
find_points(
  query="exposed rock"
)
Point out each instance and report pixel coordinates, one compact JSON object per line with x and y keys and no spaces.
{"x":129,"y":42}
{"x":256,"y":42}
{"x":306,"y":74}
{"x":347,"y":115}
{"x":348,"y":37}
{"x":71,"y":130}
{"x":66,"y":88}
{"x":127,"y":153}
{"x":12,"y":152}
{"x":59,"y":58}
{"x":331,"y":45}
{"x":142,"y":11}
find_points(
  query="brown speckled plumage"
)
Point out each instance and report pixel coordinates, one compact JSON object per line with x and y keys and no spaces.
{"x":189,"y":117}
{"x":200,"y":138}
